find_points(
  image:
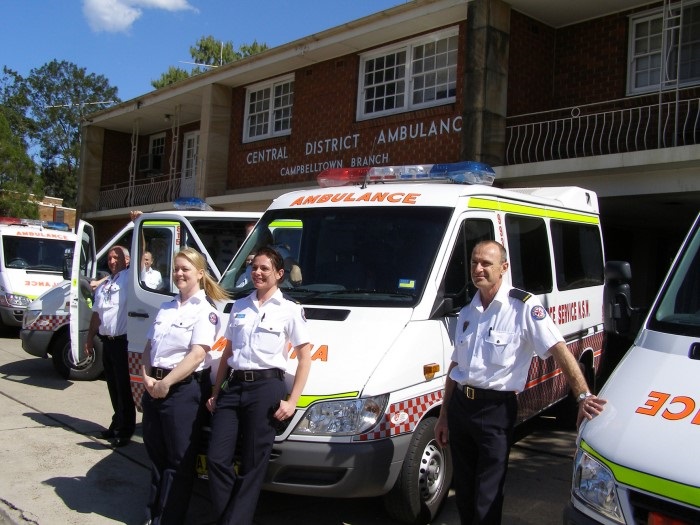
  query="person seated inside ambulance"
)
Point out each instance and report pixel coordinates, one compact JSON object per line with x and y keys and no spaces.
{"x":292,"y":270}
{"x":150,"y":277}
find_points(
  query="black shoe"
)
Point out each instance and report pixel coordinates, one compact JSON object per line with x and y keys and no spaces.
{"x":120,"y":442}
{"x":108,"y":434}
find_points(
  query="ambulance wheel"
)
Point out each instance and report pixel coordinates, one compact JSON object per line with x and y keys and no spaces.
{"x":88,"y":370}
{"x":424,"y":480}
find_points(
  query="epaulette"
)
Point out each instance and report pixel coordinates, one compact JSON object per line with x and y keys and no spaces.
{"x":210,"y":301}
{"x":516,"y":293}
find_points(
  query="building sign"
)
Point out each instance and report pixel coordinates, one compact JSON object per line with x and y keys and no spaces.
{"x":332,"y":152}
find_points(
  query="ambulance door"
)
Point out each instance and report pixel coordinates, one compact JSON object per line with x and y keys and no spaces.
{"x":83,"y":269}
{"x":162,"y":236}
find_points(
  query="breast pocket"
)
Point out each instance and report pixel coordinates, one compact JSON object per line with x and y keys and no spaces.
{"x":269,"y":337}
{"x":501,"y":347}
{"x":179,"y":332}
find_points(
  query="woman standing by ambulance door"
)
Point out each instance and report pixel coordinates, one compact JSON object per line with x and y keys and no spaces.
{"x":176,"y":377}
{"x":253,"y":396}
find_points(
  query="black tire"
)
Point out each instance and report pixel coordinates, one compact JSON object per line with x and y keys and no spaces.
{"x":425,"y":478}
{"x":89,"y":370}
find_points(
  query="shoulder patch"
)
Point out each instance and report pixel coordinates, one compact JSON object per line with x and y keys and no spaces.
{"x":538,"y":312}
{"x":213,"y":318}
{"x":522,"y":295}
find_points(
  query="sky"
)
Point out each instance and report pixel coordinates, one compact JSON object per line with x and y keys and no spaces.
{"x":132,"y":42}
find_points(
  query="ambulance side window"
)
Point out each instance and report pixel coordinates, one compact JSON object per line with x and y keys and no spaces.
{"x":124,"y":240}
{"x":457,"y":282}
{"x":578,"y":255}
{"x":528,"y":252}
{"x":159,"y":241}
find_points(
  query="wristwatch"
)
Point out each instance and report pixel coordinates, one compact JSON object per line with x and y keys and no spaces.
{"x":582,"y":396}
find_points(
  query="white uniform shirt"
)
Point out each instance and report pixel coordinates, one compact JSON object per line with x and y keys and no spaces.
{"x":151,"y":278}
{"x":180,"y":325}
{"x":110,"y":304}
{"x":259,"y":334}
{"x":494,"y":347}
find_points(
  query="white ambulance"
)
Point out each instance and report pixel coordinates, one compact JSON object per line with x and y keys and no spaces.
{"x":31,"y":262}
{"x":384,"y":260}
{"x":638,"y":461}
{"x":57,"y":322}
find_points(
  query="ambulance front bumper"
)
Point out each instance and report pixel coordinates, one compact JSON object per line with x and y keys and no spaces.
{"x":36,"y":342}
{"x":11,"y":315}
{"x":337,"y":470}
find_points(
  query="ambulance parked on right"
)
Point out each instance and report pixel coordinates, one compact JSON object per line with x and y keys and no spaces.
{"x":638,"y":462}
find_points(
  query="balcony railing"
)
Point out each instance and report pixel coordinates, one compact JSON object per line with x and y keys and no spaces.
{"x":152,"y":190}
{"x":617,"y":126}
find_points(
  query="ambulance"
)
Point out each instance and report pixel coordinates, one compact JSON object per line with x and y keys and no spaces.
{"x":31,"y":262}
{"x":56,"y":323}
{"x":637,"y":462}
{"x":384,"y":260}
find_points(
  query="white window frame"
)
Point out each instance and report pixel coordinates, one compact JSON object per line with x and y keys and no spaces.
{"x":279,"y":107}
{"x":662,"y":45}
{"x":410,"y":80}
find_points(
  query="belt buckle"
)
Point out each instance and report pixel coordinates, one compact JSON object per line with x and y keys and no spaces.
{"x":469,"y":392}
{"x":248,"y":375}
{"x":159,"y":373}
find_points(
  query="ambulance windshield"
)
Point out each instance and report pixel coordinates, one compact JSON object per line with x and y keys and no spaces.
{"x":375,"y":256}
{"x":34,"y":253}
{"x":678,"y":309}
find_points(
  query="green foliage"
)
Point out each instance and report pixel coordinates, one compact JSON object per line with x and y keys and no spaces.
{"x":18,"y":180}
{"x":208,"y":53}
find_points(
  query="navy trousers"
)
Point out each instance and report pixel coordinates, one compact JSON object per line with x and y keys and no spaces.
{"x":244,"y":409}
{"x":172,"y":436}
{"x":115,"y":360}
{"x":480,"y":433}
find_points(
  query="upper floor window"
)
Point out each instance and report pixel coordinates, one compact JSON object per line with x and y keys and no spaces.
{"x":268,"y":111}
{"x":415,"y":74}
{"x":153,"y":160}
{"x":664,"y":48}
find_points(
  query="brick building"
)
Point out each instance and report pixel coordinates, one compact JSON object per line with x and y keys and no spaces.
{"x":598,"y":94}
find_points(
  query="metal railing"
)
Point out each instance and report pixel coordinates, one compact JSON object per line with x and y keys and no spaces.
{"x":617,"y":126}
{"x":151,"y":190}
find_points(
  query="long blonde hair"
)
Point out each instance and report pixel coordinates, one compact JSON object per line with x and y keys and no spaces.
{"x":213,"y":290}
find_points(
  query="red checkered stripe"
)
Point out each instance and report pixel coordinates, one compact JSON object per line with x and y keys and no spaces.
{"x":137,"y":388}
{"x":402,"y":417}
{"x":49,"y":323}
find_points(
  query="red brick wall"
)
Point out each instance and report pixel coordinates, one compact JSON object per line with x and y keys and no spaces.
{"x":324,"y":108}
{"x":574,"y":65}
{"x":115,"y":158}
{"x":530,"y":65}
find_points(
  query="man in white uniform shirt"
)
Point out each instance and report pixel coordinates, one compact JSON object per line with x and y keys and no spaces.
{"x":108,"y":322}
{"x":496,"y":336}
{"x":150,"y":277}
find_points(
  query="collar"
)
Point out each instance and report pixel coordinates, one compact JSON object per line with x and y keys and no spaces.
{"x":195,"y":299}
{"x":501,"y":296}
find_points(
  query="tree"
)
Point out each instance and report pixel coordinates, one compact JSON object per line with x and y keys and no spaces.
{"x":20,"y":185}
{"x":14,"y":101}
{"x":208,"y":53}
{"x":60,"y":95}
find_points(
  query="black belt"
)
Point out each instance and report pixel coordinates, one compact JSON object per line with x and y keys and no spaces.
{"x":160,"y":373}
{"x":482,"y":393}
{"x":113,"y":337}
{"x":255,"y":375}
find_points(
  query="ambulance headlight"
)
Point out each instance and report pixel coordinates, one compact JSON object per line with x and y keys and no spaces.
{"x":343,"y":417}
{"x":13,"y":300}
{"x":29,"y":317}
{"x":594,"y":484}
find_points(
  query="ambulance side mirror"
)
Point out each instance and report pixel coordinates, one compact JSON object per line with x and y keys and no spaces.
{"x":67,"y":263}
{"x":617,"y":298}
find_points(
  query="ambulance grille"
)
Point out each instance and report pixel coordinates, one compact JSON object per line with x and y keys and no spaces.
{"x":643,"y":504}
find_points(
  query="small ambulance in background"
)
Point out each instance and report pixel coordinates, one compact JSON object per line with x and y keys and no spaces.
{"x":31,"y":262}
{"x":56,"y":323}
{"x":638,"y":462}
{"x":384,"y":257}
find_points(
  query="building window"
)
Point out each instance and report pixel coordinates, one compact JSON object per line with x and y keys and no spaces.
{"x":417,"y":74}
{"x":664,"y":50}
{"x":268,"y":111}
{"x":153,"y":161}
